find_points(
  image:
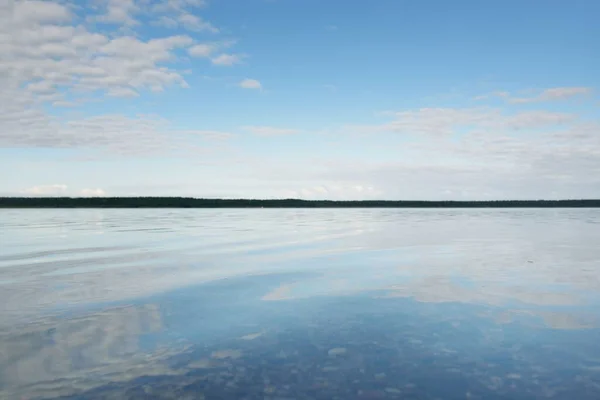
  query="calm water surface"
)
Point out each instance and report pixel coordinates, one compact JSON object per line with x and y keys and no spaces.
{"x":300,"y":304}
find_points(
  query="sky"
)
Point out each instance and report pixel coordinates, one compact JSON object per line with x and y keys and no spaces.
{"x":313,"y":99}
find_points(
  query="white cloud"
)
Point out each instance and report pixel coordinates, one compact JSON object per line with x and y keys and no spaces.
{"x":202,"y":50}
{"x":195,"y":23}
{"x":188,"y":21}
{"x":116,"y":134}
{"x":445,"y":121}
{"x":483,"y":154}
{"x":208,"y":49}
{"x":45,"y":190}
{"x":62,"y":103}
{"x":122,"y":92}
{"x":119,"y":12}
{"x":92,"y":192}
{"x":561,"y":162}
{"x":166,"y":13}
{"x":179,"y":14}
{"x":250,"y":84}
{"x":532,"y":120}
{"x":44,"y":46}
{"x":270,"y":131}
{"x":49,"y":58}
{"x":559,"y":93}
{"x":41,"y":87}
{"x":167,"y":22}
{"x":336,"y":191}
{"x":208,"y":134}
{"x":32,"y":12}
{"x":550,"y":94}
{"x":52,"y":57}
{"x":166,"y":6}
{"x":502,"y":94}
{"x":227,"y":59}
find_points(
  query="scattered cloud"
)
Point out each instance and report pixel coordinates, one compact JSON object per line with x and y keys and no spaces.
{"x":166,"y":22}
{"x":119,"y":12}
{"x":92,"y":193}
{"x":122,"y":92}
{"x":250,"y":84}
{"x":166,"y":6}
{"x":551,"y":94}
{"x":207,"y":134}
{"x":195,"y":23}
{"x":208,"y":49}
{"x":27,"y":348}
{"x":43,"y":57}
{"x":559,"y":93}
{"x":35,"y":12}
{"x":187,"y":21}
{"x":182,"y":14}
{"x":446,"y":121}
{"x":63,"y":53}
{"x":51,"y":56}
{"x":491,"y":95}
{"x":45,"y":190}
{"x":553,"y":162}
{"x":46,"y":50}
{"x":116,"y":134}
{"x":202,"y":50}
{"x":283,"y":292}
{"x":227,"y":59}
{"x":340,"y":191}
{"x":166,"y":13}
{"x":62,"y":103}
{"x":269,"y":130}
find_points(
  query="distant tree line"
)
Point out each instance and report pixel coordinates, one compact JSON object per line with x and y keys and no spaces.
{"x":187,"y":202}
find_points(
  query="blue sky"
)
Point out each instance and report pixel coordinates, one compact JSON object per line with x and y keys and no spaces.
{"x":310,"y":99}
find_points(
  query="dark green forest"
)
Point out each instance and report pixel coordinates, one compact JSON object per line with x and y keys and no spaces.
{"x":187,"y":202}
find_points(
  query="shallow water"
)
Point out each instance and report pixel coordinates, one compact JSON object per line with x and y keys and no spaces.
{"x":300,"y":304}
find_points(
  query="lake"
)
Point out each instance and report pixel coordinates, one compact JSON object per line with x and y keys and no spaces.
{"x":300,"y":304}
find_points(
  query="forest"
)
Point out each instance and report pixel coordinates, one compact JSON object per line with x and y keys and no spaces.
{"x":189,"y":202}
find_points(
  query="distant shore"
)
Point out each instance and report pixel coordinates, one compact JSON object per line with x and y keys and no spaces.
{"x":187,"y":202}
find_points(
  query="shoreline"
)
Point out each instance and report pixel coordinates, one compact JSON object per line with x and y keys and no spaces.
{"x":186,"y":202}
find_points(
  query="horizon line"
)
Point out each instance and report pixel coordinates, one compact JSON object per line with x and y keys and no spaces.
{"x":287,"y":199}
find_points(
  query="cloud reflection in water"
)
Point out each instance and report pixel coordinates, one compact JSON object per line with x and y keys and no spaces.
{"x":484,"y":301}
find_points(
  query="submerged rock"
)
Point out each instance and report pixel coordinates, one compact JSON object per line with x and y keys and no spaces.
{"x":392,"y":390}
{"x":252,"y":336}
{"x":202,"y":363}
{"x":229,"y":353}
{"x":337,"y":351}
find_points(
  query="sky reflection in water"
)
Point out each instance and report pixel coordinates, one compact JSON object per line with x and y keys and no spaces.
{"x":301,"y":304}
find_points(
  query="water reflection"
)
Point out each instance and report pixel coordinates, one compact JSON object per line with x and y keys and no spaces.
{"x":55,"y":356}
{"x":303,"y":304}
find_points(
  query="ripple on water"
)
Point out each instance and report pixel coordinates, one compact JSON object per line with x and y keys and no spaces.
{"x":301,"y":304}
